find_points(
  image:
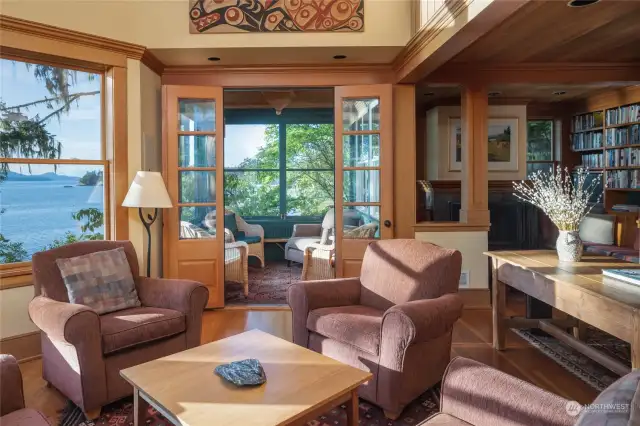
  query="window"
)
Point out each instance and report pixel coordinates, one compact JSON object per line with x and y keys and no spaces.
{"x":278,"y":166}
{"x":540,"y":145}
{"x":52,"y":165}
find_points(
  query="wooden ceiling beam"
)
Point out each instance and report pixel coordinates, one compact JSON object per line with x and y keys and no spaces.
{"x":448,"y":34}
{"x":546,"y":73}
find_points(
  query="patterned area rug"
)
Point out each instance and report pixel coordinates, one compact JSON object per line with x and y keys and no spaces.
{"x":120,"y":413}
{"x":579,"y":365}
{"x":267,"y":286}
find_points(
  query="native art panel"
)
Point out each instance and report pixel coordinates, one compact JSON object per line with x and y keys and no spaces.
{"x":231,"y":16}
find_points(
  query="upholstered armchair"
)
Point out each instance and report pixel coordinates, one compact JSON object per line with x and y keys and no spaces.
{"x":83,"y":352}
{"x":395,"y":320}
{"x":12,"y":409}
{"x":306,"y":234}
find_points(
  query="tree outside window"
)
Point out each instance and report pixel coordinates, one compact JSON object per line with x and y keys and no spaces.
{"x":539,"y":145}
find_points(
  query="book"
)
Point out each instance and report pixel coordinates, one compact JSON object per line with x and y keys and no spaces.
{"x":631,"y":276}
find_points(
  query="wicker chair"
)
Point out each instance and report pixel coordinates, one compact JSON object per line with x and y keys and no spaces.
{"x":236,"y":267}
{"x":255,"y":249}
{"x":318,"y":262}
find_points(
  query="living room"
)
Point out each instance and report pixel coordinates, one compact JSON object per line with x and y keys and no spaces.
{"x":117,"y":133}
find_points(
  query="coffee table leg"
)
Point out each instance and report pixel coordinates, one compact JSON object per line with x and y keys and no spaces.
{"x":140,"y":408}
{"x":352,"y":409}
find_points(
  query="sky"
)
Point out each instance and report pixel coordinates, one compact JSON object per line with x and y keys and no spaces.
{"x":242,"y":141}
{"x":79,"y":130}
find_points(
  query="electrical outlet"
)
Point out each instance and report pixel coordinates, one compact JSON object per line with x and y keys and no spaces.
{"x":464,"y":279}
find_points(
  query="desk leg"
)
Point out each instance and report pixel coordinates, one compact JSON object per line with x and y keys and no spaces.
{"x":635,"y":344}
{"x":140,"y":408}
{"x":352,"y":409}
{"x":580,"y":331}
{"x":498,"y":307}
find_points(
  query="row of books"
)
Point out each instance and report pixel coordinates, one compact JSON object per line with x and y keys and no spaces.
{"x":623,"y":157}
{"x":623,"y":114}
{"x":625,"y":208}
{"x":593,"y":161}
{"x":623,"y":179}
{"x":586,"y":141}
{"x":587,"y":121}
{"x":624,"y":136}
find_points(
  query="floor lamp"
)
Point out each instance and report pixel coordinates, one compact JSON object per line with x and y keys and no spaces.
{"x":148,"y":191}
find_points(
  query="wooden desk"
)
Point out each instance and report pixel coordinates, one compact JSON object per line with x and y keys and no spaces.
{"x":301,"y":385}
{"x":578,"y":289}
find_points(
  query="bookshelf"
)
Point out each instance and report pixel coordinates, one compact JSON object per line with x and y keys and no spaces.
{"x":607,"y":141}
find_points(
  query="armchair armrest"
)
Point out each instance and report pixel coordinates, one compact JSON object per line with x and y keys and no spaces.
{"x":188,"y":297}
{"x":307,"y":230}
{"x":483,"y":396}
{"x":67,"y":322}
{"x":252,"y":230}
{"x":421,"y":320}
{"x":11,"y":393}
{"x":306,"y":296}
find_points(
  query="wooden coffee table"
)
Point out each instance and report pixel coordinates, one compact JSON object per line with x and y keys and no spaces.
{"x":301,"y":384}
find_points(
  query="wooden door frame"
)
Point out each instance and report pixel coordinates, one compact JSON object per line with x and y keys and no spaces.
{"x":171,"y":177}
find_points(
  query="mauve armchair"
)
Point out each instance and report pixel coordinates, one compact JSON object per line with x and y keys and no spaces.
{"x":395,"y":320}
{"x":83,"y":352}
{"x":12,"y":409}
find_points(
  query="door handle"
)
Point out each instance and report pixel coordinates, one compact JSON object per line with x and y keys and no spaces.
{"x":387,"y":223}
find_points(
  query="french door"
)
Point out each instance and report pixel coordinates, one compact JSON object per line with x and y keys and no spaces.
{"x":193,"y":151}
{"x":364,"y":172}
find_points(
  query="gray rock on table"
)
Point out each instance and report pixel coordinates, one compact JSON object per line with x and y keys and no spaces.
{"x":248,"y":372}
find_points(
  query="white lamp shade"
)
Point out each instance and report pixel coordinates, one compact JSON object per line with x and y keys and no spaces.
{"x":147,"y":190}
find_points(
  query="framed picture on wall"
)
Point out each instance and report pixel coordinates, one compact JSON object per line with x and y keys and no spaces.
{"x":502,"y":144}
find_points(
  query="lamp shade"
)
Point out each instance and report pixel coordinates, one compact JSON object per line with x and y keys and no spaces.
{"x":147,"y":190}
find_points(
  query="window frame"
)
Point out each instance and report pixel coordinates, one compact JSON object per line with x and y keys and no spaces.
{"x":554,"y":161}
{"x":287,"y":117}
{"x":19,"y":268}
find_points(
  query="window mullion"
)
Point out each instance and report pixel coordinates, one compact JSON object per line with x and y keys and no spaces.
{"x":282,"y":128}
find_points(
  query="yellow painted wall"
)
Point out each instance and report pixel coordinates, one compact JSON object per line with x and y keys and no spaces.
{"x":471,"y":245}
{"x":165,"y":24}
{"x":14,"y":315}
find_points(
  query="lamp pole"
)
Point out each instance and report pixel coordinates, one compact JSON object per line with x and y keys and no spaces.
{"x":147,"y":226}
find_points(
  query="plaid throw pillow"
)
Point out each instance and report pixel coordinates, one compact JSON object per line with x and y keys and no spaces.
{"x":100,"y":280}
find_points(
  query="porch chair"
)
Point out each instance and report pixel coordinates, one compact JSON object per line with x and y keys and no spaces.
{"x":395,"y":320}
{"x":240,"y":230}
{"x":83,"y":352}
{"x":306,"y":234}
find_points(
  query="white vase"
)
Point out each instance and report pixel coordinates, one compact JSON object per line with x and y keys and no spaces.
{"x":569,"y":246}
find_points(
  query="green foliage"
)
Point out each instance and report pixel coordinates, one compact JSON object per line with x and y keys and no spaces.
{"x":539,"y":140}
{"x":93,"y":216}
{"x":11,"y":252}
{"x":309,"y":192}
{"x":91,"y":178}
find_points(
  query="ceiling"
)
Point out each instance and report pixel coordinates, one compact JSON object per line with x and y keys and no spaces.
{"x":550,"y":31}
{"x":277,"y":55}
{"x":278,"y":98}
{"x":517,"y":93}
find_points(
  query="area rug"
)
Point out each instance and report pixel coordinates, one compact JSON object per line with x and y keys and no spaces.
{"x":267,"y":286}
{"x":120,"y":413}
{"x":577,"y":364}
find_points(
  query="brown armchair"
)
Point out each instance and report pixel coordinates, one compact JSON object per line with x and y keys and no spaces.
{"x":83,"y":352}
{"x":12,"y":409}
{"x":395,"y":320}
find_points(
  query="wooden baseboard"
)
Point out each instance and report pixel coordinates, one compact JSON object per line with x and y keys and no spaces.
{"x":24,"y":347}
{"x":475,"y":298}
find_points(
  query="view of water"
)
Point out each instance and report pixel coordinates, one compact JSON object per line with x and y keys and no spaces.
{"x":37,"y":212}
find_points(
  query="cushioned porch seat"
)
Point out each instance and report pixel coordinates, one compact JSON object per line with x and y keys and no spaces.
{"x":131,"y":327}
{"x":301,"y":243}
{"x":249,"y":239}
{"x":356,"y":325}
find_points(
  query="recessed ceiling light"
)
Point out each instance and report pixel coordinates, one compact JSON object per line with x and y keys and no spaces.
{"x":213,"y":59}
{"x":429,"y":94}
{"x":340,"y":57}
{"x":494,"y":94}
{"x":560,"y":93}
{"x":581,"y":3}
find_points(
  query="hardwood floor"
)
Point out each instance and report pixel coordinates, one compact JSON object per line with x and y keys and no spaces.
{"x":471,"y":338}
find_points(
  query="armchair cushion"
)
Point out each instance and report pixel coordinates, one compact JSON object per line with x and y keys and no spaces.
{"x":301,"y":243}
{"x":135,"y":326}
{"x":355,"y":325}
{"x":101,"y":280}
{"x":249,"y":239}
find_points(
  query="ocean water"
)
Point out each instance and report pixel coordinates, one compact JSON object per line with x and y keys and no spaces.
{"x":36,"y":213}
